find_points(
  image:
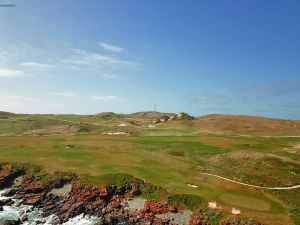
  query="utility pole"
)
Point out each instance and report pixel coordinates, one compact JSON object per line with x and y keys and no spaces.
{"x":154,"y":106}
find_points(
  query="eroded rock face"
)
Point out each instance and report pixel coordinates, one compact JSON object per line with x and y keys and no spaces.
{"x":106,"y":204}
{"x":154,"y":207}
{"x":84,"y":199}
{"x":33,"y":193}
{"x":7,"y":176}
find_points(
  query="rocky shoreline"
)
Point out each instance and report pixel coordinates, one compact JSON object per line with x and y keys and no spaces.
{"x":107,"y":204}
{"x":63,"y":199}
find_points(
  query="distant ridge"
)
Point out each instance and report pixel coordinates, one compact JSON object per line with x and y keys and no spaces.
{"x":133,"y":123}
{"x":248,"y":124}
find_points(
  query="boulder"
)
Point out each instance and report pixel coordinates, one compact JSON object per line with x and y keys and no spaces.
{"x":6,"y":201}
{"x":34,"y":188}
{"x":9,"y":222}
{"x":9,"y":192}
{"x":23,"y":217}
{"x":33,"y":199}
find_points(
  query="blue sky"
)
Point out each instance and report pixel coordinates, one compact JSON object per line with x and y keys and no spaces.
{"x":202,"y":57}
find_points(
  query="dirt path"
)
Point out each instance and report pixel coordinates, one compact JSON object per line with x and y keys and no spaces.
{"x":268,"y":136}
{"x":255,"y":186}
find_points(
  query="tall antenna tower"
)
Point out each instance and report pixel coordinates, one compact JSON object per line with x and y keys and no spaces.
{"x":155,"y":106}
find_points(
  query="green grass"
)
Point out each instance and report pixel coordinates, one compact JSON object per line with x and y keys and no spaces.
{"x":192,"y":202}
{"x":242,"y":200}
{"x":166,"y":162}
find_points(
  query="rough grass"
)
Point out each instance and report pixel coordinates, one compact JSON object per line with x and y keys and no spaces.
{"x":251,"y":168}
{"x":292,"y":197}
{"x":192,"y":202}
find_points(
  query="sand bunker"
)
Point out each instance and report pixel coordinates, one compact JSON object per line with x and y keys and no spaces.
{"x":212,"y":205}
{"x":116,"y":133}
{"x":192,"y":185}
{"x":235,"y":211}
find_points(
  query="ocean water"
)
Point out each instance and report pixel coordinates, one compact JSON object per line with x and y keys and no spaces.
{"x":14,"y":211}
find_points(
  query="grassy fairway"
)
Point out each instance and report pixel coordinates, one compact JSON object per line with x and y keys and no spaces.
{"x":170,"y":162}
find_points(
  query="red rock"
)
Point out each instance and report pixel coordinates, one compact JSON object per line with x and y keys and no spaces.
{"x":33,"y":199}
{"x":90,"y":200}
{"x":155,"y":207}
{"x":196,"y":219}
{"x":116,"y":199}
{"x":49,"y":206}
{"x":34,"y":188}
{"x":103,"y":192}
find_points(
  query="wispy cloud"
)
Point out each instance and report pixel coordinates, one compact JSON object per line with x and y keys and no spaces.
{"x":35,"y":65}
{"x":109,"y":47}
{"x":201,"y":98}
{"x":104,"y":97}
{"x":109,"y":76}
{"x":286,"y":105}
{"x":11,"y":73}
{"x":82,"y":57}
{"x":63,"y":94}
{"x":284,"y":87}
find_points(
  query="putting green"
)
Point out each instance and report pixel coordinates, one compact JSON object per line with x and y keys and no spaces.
{"x":245,"y":201}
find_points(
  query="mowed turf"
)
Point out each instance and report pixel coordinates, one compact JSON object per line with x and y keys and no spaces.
{"x":170,"y":162}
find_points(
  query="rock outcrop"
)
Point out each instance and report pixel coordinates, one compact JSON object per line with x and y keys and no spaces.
{"x":109,"y":204}
{"x":7,"y":176}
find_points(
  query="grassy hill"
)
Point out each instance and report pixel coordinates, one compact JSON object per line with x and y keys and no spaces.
{"x":145,"y":123}
{"x":238,"y":124}
{"x":170,"y":151}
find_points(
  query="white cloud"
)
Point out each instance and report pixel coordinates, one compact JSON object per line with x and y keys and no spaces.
{"x":202,"y":99}
{"x":105,"y":97}
{"x":10,"y":73}
{"x":35,"y":65}
{"x":82,"y":57}
{"x":109,"y":47}
{"x":64,"y":94}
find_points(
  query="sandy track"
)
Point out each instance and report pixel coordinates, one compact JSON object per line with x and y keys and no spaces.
{"x":251,"y":185}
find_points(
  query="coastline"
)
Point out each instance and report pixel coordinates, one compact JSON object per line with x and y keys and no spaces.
{"x":33,"y":196}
